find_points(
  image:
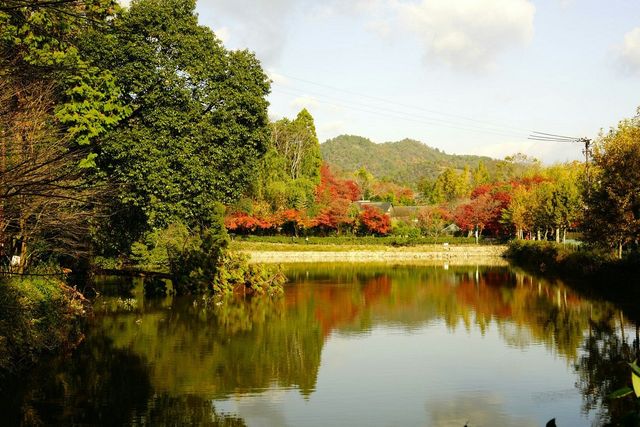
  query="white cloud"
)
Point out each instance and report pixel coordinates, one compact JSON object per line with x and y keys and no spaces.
{"x":261,"y":26}
{"x":277,"y":78}
{"x":330,"y":128}
{"x":469,"y":33}
{"x":306,"y":101}
{"x":629,"y":52}
{"x":381,"y":28}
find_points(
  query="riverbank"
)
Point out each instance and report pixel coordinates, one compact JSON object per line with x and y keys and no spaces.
{"x":592,"y":273}
{"x":571,"y":262}
{"x":292,"y":253}
{"x":38,"y":315}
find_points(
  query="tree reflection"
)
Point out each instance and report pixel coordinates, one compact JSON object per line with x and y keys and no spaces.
{"x":100,"y":385}
{"x":603,"y":368}
{"x":158,"y":361}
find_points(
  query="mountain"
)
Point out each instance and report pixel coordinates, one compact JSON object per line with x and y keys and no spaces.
{"x":404,"y":162}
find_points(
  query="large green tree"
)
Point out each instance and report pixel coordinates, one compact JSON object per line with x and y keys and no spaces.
{"x":199,"y":122}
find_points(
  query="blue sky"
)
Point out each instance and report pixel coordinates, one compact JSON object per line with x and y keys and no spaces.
{"x":465,"y":76}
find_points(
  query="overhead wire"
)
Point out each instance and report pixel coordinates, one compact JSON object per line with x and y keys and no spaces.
{"x":421,"y":108}
{"x":395,"y":114}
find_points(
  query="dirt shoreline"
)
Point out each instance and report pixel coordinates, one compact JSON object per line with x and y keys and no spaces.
{"x":453,"y":254}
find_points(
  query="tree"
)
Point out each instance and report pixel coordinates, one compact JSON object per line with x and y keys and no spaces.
{"x":290,"y":170}
{"x":296,"y":142}
{"x":480,"y":175}
{"x":45,"y":202}
{"x":365,"y":180}
{"x":42,"y":43}
{"x":519,"y":212}
{"x":55,"y":105}
{"x":449,"y":186}
{"x":372,"y":221}
{"x":476,"y":214}
{"x":199,"y":116}
{"x":613,"y":215}
{"x":432,"y":220}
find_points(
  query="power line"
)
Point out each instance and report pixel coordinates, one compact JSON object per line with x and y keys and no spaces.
{"x":401,"y":115}
{"x":380,"y":99}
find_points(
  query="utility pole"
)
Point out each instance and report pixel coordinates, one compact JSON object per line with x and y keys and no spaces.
{"x":587,"y":153}
{"x":550,"y":137}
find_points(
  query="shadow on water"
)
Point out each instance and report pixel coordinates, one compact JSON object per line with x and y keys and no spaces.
{"x":103,"y":386}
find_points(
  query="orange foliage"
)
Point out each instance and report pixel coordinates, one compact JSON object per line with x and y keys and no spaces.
{"x":375,"y":222}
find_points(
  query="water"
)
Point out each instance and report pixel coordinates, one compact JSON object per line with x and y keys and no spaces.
{"x":345,"y":346}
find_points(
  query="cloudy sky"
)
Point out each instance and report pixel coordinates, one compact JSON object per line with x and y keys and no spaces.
{"x":466,"y":76}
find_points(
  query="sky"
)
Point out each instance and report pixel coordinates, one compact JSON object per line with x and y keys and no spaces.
{"x":464,"y":76}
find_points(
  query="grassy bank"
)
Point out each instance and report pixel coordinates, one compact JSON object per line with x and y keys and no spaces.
{"x":348,"y":243}
{"x":38,"y":315}
{"x":572,"y":262}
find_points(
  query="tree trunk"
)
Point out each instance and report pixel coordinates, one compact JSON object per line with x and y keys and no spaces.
{"x":23,"y":256}
{"x":564,"y":235}
{"x":539,"y":234}
{"x":557,"y":234}
{"x":620,"y":249}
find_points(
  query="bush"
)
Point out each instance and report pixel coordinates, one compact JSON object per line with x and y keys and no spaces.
{"x":194,"y":263}
{"x":199,"y":263}
{"x":568,"y":260}
{"x":235,"y":275}
{"x":38,"y":315}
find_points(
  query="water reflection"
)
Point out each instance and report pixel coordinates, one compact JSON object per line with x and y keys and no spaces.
{"x":481,"y":409}
{"x":345,"y":345}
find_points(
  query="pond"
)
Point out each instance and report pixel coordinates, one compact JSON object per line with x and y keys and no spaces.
{"x":347,"y":345}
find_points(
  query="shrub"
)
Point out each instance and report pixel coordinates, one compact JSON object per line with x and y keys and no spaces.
{"x":235,"y":275}
{"x":38,"y":315}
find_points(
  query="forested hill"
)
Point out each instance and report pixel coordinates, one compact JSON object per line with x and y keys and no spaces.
{"x":404,"y":162}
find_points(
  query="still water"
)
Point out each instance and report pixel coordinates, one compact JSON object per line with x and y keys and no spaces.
{"x":347,"y":345}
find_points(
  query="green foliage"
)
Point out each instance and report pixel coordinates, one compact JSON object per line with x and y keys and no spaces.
{"x":290,"y":170}
{"x":235,"y":275}
{"x":571,"y":261}
{"x":45,"y":45}
{"x":37,"y":315}
{"x":199,"y":120}
{"x":402,"y":228}
{"x":404,"y":162}
{"x":152,"y":252}
{"x":449,"y":186}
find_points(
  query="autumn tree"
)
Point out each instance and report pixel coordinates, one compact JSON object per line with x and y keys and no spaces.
{"x":432,"y":220}
{"x":372,"y":221}
{"x":335,"y":198}
{"x":365,"y":181}
{"x":613,"y":201}
{"x":476,"y":214}
{"x":46,"y":203}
